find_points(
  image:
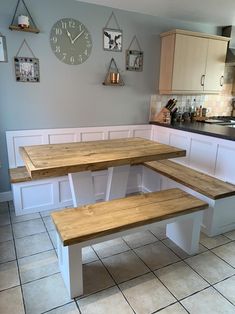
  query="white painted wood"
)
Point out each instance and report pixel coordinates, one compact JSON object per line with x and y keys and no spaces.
{"x":82,"y":188}
{"x":186,"y":234}
{"x":181,"y":141}
{"x":117,"y":182}
{"x":70,"y":265}
{"x":70,"y":257}
{"x":225,"y":162}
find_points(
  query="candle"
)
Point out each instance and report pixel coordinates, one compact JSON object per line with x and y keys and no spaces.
{"x":23,"y":21}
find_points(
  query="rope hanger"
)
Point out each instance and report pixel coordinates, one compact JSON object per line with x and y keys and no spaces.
{"x":115,"y":19}
{"x":134,"y":39}
{"x":24,"y":42}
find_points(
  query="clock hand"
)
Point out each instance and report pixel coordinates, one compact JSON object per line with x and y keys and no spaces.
{"x":69,"y":35}
{"x":80,"y":34}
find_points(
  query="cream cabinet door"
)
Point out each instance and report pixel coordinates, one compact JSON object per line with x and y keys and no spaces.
{"x":189,"y":63}
{"x":215,"y":65}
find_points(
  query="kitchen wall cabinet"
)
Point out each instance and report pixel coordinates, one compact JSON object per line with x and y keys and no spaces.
{"x":191,"y":62}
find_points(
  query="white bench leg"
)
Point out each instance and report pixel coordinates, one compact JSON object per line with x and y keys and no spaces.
{"x":117,"y":182}
{"x":82,"y":188}
{"x":70,"y":264}
{"x":186,"y":232}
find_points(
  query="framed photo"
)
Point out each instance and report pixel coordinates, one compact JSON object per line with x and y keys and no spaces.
{"x":112,"y":39}
{"x":3,"y":49}
{"x":134,"y":60}
{"x":27,"y":69}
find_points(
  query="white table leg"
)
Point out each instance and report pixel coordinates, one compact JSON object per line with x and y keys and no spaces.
{"x":117,"y":182}
{"x":186,"y":232}
{"x":82,"y":188}
{"x":70,"y":264}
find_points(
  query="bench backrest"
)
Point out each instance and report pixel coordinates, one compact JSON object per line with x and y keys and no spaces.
{"x":88,"y":222}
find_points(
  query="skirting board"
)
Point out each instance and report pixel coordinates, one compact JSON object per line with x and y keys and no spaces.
{"x":5,"y":196}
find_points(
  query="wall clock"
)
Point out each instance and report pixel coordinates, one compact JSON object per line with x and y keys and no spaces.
{"x":70,"y":41}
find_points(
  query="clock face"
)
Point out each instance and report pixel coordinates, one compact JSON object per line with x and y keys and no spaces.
{"x":70,"y":41}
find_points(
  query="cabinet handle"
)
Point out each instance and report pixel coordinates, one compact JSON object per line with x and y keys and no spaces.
{"x":203,"y":80}
{"x":221,"y":80}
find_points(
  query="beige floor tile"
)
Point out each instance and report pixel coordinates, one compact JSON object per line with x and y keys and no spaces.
{"x":21,"y":218}
{"x":9,"y":276}
{"x":178,"y":251}
{"x":156,"y":255}
{"x":95,"y":278}
{"x":70,"y":308}
{"x":159,"y":231}
{"x":227,"y":288}
{"x":45,"y":294}
{"x":139,"y":239}
{"x":4,"y":207}
{"x":173,"y":309}
{"x":4,"y":219}
{"x":46,"y":213}
{"x":109,"y":301}
{"x":208,"y":301}
{"x":38,"y":266}
{"x":7,"y":251}
{"x":210,"y":267}
{"x":88,"y":255}
{"x":26,"y":228}
{"x":181,"y":280}
{"x":52,"y":235}
{"x":33,"y":244}
{"x":11,"y":301}
{"x":49,"y":223}
{"x":230,"y":235}
{"x":212,"y":242}
{"x":125,"y":266}
{"x":110,"y":247}
{"x":146,"y":294}
{"x":5,"y":233}
{"x":227,"y":253}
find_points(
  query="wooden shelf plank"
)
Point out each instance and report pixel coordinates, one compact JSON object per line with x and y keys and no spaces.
{"x":20,"y":29}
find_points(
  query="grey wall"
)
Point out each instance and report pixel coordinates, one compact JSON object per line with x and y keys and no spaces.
{"x":73,"y":96}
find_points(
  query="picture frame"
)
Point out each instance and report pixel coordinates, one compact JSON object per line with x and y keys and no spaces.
{"x":3,"y":49}
{"x":134,"y":60}
{"x":27,"y":69}
{"x":112,"y":39}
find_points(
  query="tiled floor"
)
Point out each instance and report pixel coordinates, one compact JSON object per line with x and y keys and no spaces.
{"x":143,"y":273}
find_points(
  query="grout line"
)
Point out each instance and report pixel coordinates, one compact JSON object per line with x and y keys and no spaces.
{"x":21,"y":288}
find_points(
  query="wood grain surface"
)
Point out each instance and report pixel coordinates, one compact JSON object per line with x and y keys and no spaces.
{"x":195,"y":180}
{"x":76,"y":225}
{"x":60,"y":159}
{"x":19,"y":174}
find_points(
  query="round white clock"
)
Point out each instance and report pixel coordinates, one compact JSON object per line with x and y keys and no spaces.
{"x":70,"y":41}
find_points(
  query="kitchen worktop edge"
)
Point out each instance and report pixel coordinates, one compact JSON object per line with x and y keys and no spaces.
{"x":218,"y":131}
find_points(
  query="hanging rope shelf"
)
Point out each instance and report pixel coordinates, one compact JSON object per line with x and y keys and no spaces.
{"x":113,"y":77}
{"x":32,"y":28}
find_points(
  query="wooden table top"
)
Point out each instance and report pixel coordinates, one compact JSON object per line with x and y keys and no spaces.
{"x":54,"y":160}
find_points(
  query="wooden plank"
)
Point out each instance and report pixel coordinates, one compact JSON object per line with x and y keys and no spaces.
{"x":195,"y":180}
{"x":76,"y":225}
{"x":19,"y":174}
{"x":60,"y":159}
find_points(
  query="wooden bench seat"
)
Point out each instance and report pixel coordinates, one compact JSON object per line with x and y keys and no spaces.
{"x":89,"y":224}
{"x":220,"y":216}
{"x":19,"y":174}
{"x":198,"y":181}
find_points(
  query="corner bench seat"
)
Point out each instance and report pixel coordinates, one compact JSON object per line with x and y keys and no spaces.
{"x":90,"y":224}
{"x":220,"y":216}
{"x":19,"y":174}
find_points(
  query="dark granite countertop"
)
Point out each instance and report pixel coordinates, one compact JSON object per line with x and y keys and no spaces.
{"x":214,"y":130}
